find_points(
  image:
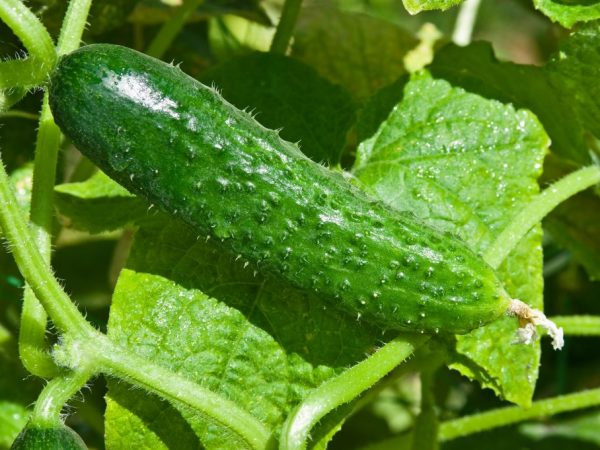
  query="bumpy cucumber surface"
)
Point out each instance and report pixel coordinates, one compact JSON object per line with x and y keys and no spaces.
{"x":176,"y":142}
{"x":56,"y":438}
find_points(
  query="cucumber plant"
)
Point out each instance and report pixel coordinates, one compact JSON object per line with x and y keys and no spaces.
{"x":266,"y":297}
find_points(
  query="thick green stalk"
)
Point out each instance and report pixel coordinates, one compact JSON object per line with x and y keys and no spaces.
{"x":34,"y":36}
{"x":33,"y":267}
{"x":537,"y":209}
{"x":114,"y":361}
{"x":506,"y":416}
{"x":73,"y":26}
{"x":425,"y":435}
{"x":578,"y":325}
{"x":32,"y":340}
{"x":286,"y":25}
{"x":16,"y":114}
{"x":343,"y":389}
{"x":32,"y":332}
{"x":55,"y":395}
{"x":169,"y":31}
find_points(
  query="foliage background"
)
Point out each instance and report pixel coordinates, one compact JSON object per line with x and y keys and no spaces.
{"x":351,"y":55}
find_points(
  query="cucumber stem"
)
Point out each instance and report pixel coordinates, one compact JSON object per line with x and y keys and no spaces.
{"x":529,"y":318}
{"x":55,"y":395}
{"x":285,"y":28}
{"x":344,"y":388}
{"x":537,"y":209}
{"x":170,"y":29}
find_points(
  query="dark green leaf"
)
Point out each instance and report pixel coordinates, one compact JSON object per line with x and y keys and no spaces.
{"x":575,"y":69}
{"x":359,"y":52}
{"x":285,"y":93}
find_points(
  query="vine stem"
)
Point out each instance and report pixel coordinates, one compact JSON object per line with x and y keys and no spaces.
{"x":32,"y":333}
{"x":58,"y":391}
{"x":286,"y":25}
{"x":343,"y":389}
{"x":465,"y":22}
{"x":537,"y":209}
{"x":114,"y":361}
{"x":513,"y":414}
{"x":16,"y":114}
{"x":34,"y":36}
{"x":167,"y":33}
{"x":425,"y":434}
{"x":33,"y":267}
{"x":578,"y":325}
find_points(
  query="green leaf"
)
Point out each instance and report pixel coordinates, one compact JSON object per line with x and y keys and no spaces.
{"x":285,"y":93}
{"x":575,"y":70}
{"x":416,"y":6}
{"x":466,"y":164}
{"x":569,"y":12}
{"x":98,"y":204}
{"x":357,"y":51}
{"x":476,"y":69}
{"x":186,"y":304}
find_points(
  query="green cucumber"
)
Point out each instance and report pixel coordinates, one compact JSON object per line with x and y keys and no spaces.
{"x":48,"y":438}
{"x":179,"y":144}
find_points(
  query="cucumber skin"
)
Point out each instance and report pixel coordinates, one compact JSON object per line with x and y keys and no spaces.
{"x":59,"y":438}
{"x":179,"y":144}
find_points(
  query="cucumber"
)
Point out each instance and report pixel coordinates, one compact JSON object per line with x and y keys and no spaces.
{"x":179,"y":144}
{"x":51,"y":438}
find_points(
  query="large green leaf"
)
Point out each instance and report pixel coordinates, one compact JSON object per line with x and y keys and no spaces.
{"x":98,"y":204}
{"x":476,"y":69}
{"x":187,"y":305}
{"x":569,"y":12}
{"x":466,"y":164}
{"x":285,"y":93}
{"x":359,"y":52}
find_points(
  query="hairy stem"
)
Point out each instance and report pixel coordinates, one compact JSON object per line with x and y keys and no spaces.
{"x":169,"y":31}
{"x":343,"y":389}
{"x":16,"y":114}
{"x":537,"y":209}
{"x":286,"y":25}
{"x":114,"y":361}
{"x":425,"y":435}
{"x":32,"y":339}
{"x":33,"y":267}
{"x":513,"y":414}
{"x":578,"y":325}
{"x":73,"y":26}
{"x":34,"y":36}
{"x":465,"y":22}
{"x":55,"y":395}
